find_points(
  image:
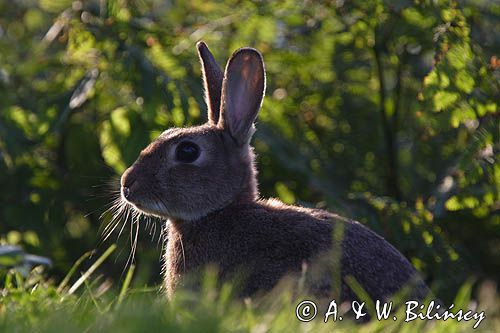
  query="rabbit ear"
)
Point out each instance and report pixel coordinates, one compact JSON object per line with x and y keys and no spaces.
{"x":212,"y":80}
{"x":242,"y":93}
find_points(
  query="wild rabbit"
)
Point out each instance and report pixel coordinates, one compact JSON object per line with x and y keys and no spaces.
{"x":203,"y":180}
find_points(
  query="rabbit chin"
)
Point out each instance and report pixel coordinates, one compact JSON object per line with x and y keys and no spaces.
{"x":155,"y":209}
{"x":149,"y":208}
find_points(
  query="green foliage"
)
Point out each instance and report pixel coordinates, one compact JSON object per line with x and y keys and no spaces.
{"x":33,"y":304}
{"x":384,"y":111}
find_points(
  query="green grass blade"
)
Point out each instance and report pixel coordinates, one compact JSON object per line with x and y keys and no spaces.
{"x":126,"y":283}
{"x":92,"y":268}
{"x":72,"y":271}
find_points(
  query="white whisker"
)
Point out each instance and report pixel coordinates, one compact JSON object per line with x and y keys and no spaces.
{"x":119,"y":212}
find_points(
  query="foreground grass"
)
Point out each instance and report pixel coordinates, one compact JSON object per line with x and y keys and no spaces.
{"x":34,"y":304}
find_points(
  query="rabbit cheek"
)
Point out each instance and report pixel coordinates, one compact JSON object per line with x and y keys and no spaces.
{"x":187,"y":190}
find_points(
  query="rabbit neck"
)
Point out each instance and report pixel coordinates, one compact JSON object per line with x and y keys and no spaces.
{"x":249,"y":190}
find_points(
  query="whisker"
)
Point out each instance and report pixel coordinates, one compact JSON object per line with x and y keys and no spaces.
{"x":125,"y":222}
{"x":118,"y":213}
{"x":111,"y":227}
{"x":183,"y":255}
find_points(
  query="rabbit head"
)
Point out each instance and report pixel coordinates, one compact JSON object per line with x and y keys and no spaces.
{"x":186,"y":173}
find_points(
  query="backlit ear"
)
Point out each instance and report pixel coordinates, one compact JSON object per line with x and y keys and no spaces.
{"x":242,"y":93}
{"x":212,"y":80}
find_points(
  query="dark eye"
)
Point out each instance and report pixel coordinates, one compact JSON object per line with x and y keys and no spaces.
{"x":187,"y":152}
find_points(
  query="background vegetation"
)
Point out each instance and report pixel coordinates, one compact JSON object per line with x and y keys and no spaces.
{"x":384,"y":111}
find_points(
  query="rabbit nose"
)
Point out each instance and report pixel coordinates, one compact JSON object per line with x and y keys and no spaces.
{"x":128,"y":183}
{"x":127,"y":178}
{"x":126,"y":192}
{"x":129,"y":189}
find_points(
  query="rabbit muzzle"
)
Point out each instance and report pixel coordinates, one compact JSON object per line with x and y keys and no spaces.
{"x":136,"y":190}
{"x":130,"y":186}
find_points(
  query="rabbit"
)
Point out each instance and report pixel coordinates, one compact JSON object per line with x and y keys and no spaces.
{"x":203,"y":180}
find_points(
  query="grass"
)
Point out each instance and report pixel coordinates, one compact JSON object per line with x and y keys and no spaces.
{"x":36,"y":304}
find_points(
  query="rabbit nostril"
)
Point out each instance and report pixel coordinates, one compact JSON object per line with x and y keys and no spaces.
{"x":125,"y":192}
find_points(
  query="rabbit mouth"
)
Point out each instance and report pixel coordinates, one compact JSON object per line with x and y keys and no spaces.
{"x":143,"y":205}
{"x":153,"y":205}
{"x":150,"y":208}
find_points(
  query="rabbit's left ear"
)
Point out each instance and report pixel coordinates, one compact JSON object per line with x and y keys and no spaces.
{"x":242,"y":93}
{"x":212,"y":79}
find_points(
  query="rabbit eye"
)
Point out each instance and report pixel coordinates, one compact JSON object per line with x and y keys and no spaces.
{"x":187,"y":152}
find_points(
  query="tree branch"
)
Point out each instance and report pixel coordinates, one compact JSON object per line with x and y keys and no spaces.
{"x":392,"y":183}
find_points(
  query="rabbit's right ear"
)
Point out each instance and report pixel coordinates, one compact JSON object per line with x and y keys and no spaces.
{"x":242,"y":94}
{"x":212,"y":80}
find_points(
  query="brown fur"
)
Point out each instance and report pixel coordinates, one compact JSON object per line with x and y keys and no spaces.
{"x":215,"y":214}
